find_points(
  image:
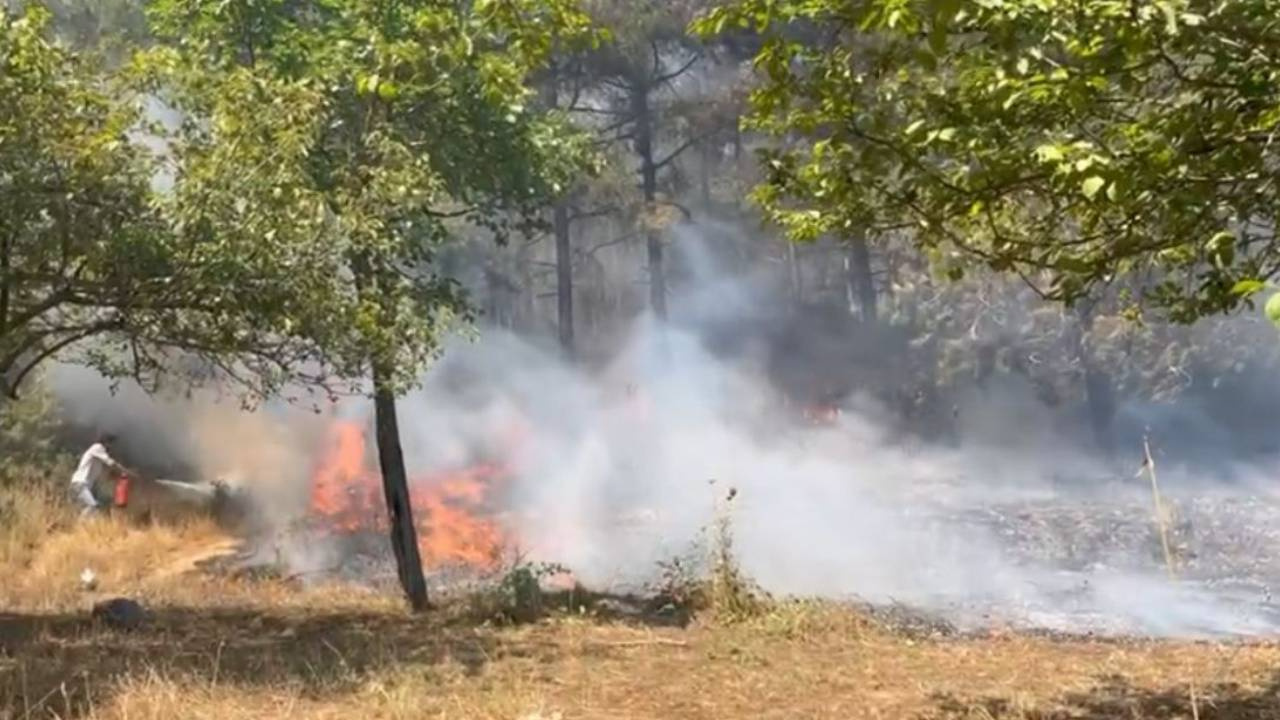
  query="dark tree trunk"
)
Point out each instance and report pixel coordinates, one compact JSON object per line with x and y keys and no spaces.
{"x":649,"y":184}
{"x":564,"y":276}
{"x":395,"y":486}
{"x":525,"y":313}
{"x":493,"y":301}
{"x":1099,"y":387}
{"x":704,"y":177}
{"x":657,"y":275}
{"x":794,"y":276}
{"x":395,"y":481}
{"x":564,"y":250}
{"x":986,"y":366}
{"x":860,"y":282}
{"x":1100,"y":396}
{"x":5,"y":281}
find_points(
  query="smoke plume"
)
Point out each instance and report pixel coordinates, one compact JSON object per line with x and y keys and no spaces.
{"x":618,"y":467}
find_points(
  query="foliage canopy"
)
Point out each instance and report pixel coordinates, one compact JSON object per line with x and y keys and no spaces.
{"x":324,"y":153}
{"x":1089,"y":141}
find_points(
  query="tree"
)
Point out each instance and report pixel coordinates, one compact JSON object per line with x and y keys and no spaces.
{"x":1090,"y":142}
{"x":72,"y":196}
{"x":366,"y":131}
{"x":563,"y":73}
{"x":650,"y":50}
{"x":86,"y":253}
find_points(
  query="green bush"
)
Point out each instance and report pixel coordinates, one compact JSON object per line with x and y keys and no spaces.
{"x":517,"y":597}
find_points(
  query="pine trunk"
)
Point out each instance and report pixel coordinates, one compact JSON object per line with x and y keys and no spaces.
{"x":861,"y":284}
{"x":649,"y":184}
{"x":564,"y":276}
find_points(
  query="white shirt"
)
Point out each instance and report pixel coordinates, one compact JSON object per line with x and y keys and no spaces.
{"x":93,"y":464}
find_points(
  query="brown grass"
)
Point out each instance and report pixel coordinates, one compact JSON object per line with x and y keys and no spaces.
{"x":219,"y":648}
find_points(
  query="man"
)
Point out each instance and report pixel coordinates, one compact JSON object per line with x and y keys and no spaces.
{"x":94,"y":465}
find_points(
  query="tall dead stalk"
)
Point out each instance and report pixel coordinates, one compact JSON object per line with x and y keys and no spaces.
{"x":1149,"y":464}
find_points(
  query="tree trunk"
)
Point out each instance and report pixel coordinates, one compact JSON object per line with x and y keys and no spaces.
{"x":493,"y":301}
{"x":860,"y":285}
{"x":395,"y":481}
{"x":1100,"y":396}
{"x":793,"y":267}
{"x":395,"y":485}
{"x":525,"y":313}
{"x":1099,"y":387}
{"x":704,"y":176}
{"x":564,"y":276}
{"x":649,"y":184}
{"x":5,"y":281}
{"x":564,"y":250}
{"x":657,"y":276}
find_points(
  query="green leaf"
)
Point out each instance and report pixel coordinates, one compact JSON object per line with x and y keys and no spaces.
{"x":388,"y":91}
{"x":1091,"y":186}
{"x":1272,"y":309}
{"x":1049,"y":153}
{"x":1247,"y":287}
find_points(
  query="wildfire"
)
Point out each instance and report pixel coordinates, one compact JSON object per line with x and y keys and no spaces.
{"x":448,"y":507}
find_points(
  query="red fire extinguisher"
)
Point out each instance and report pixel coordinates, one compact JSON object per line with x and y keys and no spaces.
{"x":122,"y":491}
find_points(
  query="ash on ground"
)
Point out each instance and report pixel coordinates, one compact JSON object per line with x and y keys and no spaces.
{"x":1083,"y":564}
{"x":1098,"y":565}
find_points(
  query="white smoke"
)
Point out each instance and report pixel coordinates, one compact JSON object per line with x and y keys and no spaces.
{"x":618,"y":467}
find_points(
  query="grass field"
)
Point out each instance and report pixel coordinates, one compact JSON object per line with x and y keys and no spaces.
{"x":222,"y":648}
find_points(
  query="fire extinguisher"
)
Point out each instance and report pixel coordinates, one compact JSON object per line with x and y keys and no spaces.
{"x":122,"y":491}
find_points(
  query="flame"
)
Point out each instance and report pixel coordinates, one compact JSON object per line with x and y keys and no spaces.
{"x":449,"y":508}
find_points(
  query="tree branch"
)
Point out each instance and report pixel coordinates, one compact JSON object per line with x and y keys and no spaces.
{"x":48,"y":352}
{"x":588,"y":214}
{"x":662,"y":79}
{"x":685,"y":146}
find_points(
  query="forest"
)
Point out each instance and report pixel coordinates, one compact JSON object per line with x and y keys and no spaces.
{"x":959,"y":215}
{"x":921,"y":211}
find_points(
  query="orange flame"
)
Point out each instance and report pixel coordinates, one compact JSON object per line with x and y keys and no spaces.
{"x":448,"y":508}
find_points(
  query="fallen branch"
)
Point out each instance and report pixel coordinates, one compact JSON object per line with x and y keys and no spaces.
{"x":643,"y":643}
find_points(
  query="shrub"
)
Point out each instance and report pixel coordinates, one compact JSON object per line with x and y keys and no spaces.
{"x":709,"y":579}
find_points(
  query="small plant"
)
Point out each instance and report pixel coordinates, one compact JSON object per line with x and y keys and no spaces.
{"x":733,"y":596}
{"x":708,"y":578}
{"x":518,"y":596}
{"x":680,"y":583}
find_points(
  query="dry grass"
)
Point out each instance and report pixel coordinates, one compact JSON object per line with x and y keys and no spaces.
{"x":219,"y":648}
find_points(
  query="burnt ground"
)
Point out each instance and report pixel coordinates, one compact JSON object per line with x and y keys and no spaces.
{"x":1087,"y":562}
{"x":1097,"y":563}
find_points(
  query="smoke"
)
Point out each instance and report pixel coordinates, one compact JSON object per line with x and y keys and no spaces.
{"x":618,"y":467}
